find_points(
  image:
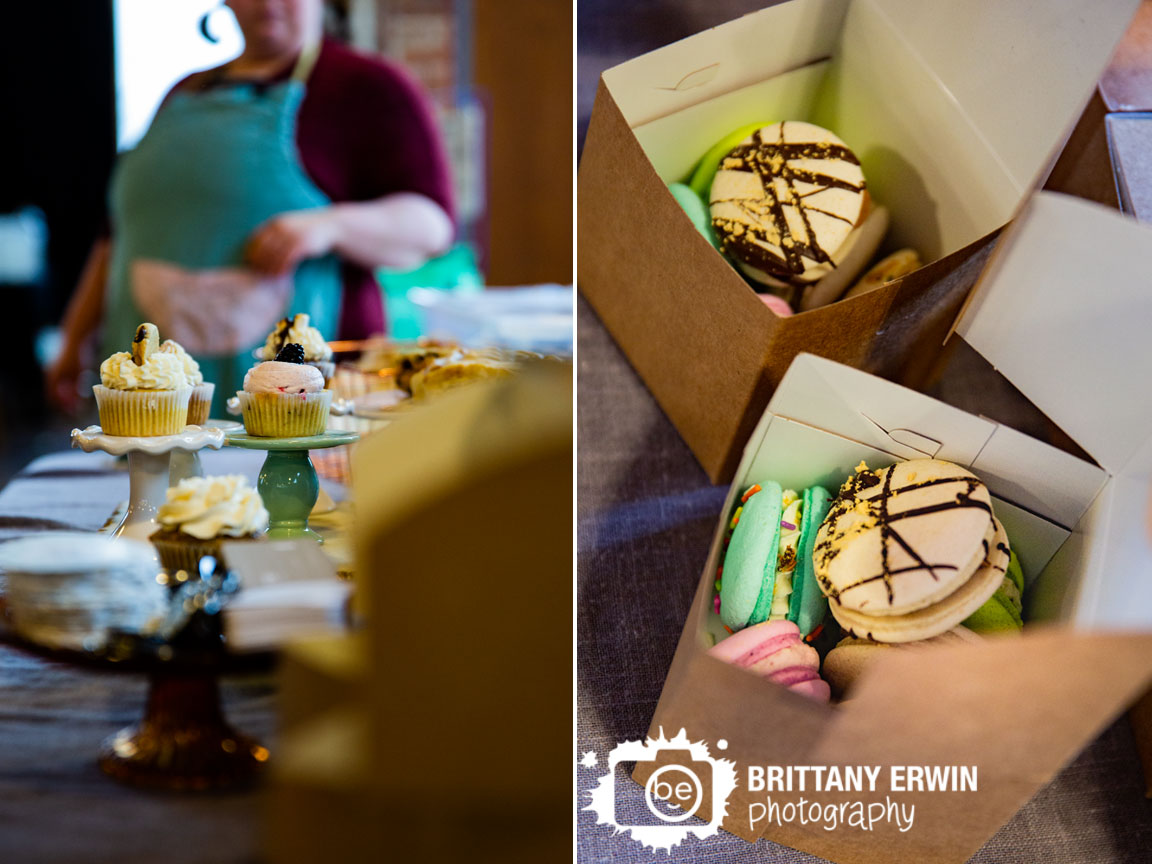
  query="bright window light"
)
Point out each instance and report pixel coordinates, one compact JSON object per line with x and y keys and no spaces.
{"x":159,"y":43}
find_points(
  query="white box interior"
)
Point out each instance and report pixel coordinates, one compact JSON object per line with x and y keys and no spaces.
{"x":955,"y":109}
{"x":798,"y":456}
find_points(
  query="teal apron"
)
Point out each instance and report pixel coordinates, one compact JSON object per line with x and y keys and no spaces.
{"x":213,"y":167}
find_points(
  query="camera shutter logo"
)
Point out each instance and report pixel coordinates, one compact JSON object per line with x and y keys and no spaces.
{"x":679,"y":782}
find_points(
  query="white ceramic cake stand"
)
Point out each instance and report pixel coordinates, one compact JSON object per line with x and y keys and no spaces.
{"x":149,"y":473}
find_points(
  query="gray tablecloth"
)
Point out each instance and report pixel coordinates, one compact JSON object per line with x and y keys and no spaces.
{"x":56,"y":807}
{"x":646,"y":513}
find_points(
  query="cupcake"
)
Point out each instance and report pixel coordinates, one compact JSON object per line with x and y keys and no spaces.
{"x":201,"y":399}
{"x":298,"y":330}
{"x":285,"y":397}
{"x":144,"y":392}
{"x":200,"y":513}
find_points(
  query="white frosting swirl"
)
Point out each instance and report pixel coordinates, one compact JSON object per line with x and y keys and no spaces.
{"x":191,"y":367}
{"x":159,"y":372}
{"x":300,"y":331}
{"x":275,"y":376}
{"x":207,"y":507}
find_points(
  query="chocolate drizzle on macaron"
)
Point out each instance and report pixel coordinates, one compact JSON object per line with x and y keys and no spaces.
{"x":878,"y":511}
{"x":760,"y":233}
{"x":909,"y":552}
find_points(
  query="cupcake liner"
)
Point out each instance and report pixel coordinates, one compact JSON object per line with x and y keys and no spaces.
{"x":146,"y":413}
{"x":285,"y":415}
{"x":180,"y":551}
{"x":200,"y":403}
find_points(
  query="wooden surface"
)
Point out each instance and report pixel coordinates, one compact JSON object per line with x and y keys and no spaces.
{"x":523,"y":64}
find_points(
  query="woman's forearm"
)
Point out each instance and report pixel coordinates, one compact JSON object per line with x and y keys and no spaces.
{"x":81,"y":318}
{"x":400,"y":231}
{"x":86,"y":308}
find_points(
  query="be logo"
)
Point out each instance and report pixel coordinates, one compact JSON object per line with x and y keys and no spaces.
{"x":673,"y":793}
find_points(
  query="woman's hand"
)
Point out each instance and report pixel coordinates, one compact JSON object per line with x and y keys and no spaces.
{"x":60,"y":380}
{"x":281,"y":243}
{"x":81,"y":319}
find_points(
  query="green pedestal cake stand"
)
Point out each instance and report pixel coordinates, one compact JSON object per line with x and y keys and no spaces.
{"x":288,"y":482}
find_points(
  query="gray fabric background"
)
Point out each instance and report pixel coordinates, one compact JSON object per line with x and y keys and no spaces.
{"x":645,"y":517}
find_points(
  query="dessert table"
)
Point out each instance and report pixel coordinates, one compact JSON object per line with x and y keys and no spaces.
{"x":645,"y":517}
{"x":56,"y":807}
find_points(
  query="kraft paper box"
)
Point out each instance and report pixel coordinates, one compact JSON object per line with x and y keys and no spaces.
{"x":404,"y":745}
{"x":1016,"y":708}
{"x":956,"y":111}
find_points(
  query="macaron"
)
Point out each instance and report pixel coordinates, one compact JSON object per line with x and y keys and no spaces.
{"x":899,"y":263}
{"x":777,"y":304}
{"x":785,"y":200}
{"x":776,"y":651}
{"x":767,"y":569}
{"x":909,"y":552}
{"x":850,"y":259}
{"x":705,"y":171}
{"x":808,"y":605}
{"x":1003,"y":611}
{"x":695,"y":208}
{"x":852,"y":655}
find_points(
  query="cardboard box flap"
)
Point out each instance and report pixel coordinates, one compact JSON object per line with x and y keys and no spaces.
{"x":1063,"y":312}
{"x":1000,"y":697}
{"x":1121,"y":594}
{"x":1050,"y":52}
{"x":1061,"y":485}
{"x":1041,"y":59}
{"x":827,"y":395}
{"x":909,"y":425}
{"x":723,"y":59}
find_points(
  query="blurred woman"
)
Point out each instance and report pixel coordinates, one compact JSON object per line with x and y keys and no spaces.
{"x":271,"y":185}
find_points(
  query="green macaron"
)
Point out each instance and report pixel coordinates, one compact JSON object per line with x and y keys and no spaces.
{"x":750,"y":562}
{"x":755,"y":557}
{"x":706,"y":168}
{"x":1002,"y":611}
{"x":696,"y":209}
{"x":808,"y":605}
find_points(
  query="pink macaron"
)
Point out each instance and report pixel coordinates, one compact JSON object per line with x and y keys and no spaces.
{"x":777,"y":304}
{"x":774,"y":650}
